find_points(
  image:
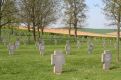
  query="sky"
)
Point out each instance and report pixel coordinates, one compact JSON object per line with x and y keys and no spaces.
{"x":95,"y":16}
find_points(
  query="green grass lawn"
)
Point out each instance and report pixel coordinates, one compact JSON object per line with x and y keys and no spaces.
{"x":28,"y":64}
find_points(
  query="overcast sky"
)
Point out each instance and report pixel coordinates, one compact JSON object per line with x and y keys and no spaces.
{"x":95,"y":14}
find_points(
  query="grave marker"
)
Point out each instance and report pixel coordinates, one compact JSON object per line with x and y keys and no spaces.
{"x":106,"y":59}
{"x":104,"y":44}
{"x":11,"y":48}
{"x":90,"y":47}
{"x":17,"y":44}
{"x":115,"y":45}
{"x":37,"y":44}
{"x":68,"y":47}
{"x":57,"y":59}
{"x":4,"y":42}
{"x":41,"y":48}
{"x":110,"y":42}
{"x":55,"y":41}
{"x":78,"y":44}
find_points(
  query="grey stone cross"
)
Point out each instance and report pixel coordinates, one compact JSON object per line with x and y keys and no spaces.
{"x":106,"y":59}
{"x":78,"y":44}
{"x":67,"y":47}
{"x":17,"y":43}
{"x":90,"y":47}
{"x":11,"y":48}
{"x":42,"y":48}
{"x":57,"y":60}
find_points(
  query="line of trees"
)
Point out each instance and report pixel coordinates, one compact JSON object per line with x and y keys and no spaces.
{"x":40,"y":13}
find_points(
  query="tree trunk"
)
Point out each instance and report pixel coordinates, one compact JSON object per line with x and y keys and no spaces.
{"x":118,"y":41}
{"x":12,"y":30}
{"x":76,"y":32}
{"x":34,"y":31}
{"x":69,"y":29}
{"x":28,"y":27}
{"x":38,"y":31}
{"x":75,"y":27}
{"x":42,"y":30}
{"x":0,"y":18}
{"x":0,"y":32}
{"x":29,"y":33}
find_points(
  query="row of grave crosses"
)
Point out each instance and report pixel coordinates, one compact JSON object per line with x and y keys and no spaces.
{"x":58,"y":60}
{"x":13,"y":46}
{"x":41,"y":47}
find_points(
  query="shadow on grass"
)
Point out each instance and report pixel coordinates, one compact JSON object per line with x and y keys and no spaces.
{"x":69,"y":70}
{"x":114,"y":67}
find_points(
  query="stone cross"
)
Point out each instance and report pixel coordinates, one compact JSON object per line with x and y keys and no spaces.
{"x":41,"y":48}
{"x":4,"y":42}
{"x":104,"y":44}
{"x":55,"y":41}
{"x":57,"y":59}
{"x":17,"y":44}
{"x":106,"y":59}
{"x":88,"y":42}
{"x":90,"y":47}
{"x":41,"y":41}
{"x":110,"y":42}
{"x":115,"y":45}
{"x":78,"y":44}
{"x":37,"y":44}
{"x":67,"y":47}
{"x":11,"y":48}
{"x":1,"y":39}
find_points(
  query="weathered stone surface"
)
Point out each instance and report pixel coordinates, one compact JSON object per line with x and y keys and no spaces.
{"x":57,"y":59}
{"x":11,"y":48}
{"x":68,"y":47}
{"x":42,"y":48}
{"x":55,"y":41}
{"x":78,"y":44}
{"x":90,"y":47}
{"x":4,"y":41}
{"x":17,"y":44}
{"x":106,"y":59}
{"x":115,"y":45}
{"x":104,"y":44}
{"x":37,"y":45}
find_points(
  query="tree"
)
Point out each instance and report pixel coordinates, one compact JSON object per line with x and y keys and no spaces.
{"x":48,"y":11}
{"x":113,"y":11}
{"x":75,"y":12}
{"x":7,"y":13}
{"x":38,"y":13}
{"x":29,"y":10}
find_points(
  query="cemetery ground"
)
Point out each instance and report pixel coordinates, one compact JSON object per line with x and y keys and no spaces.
{"x":28,"y":64}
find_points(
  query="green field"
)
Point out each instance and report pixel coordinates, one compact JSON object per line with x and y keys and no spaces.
{"x":100,"y":31}
{"x":28,"y":64}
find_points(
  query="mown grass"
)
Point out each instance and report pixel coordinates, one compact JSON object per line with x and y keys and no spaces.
{"x":27,"y":64}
